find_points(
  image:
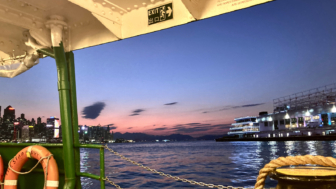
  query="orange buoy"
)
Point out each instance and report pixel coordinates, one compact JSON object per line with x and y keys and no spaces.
{"x":38,"y":153}
{"x":1,"y":170}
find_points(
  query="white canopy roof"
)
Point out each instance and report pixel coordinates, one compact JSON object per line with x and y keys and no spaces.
{"x":88,"y":23}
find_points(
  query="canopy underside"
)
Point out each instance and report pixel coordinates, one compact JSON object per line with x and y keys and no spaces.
{"x":93,"y":22}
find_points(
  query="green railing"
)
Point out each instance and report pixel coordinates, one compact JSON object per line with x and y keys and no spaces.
{"x":9,"y":150}
{"x":67,"y":154}
{"x":102,"y":164}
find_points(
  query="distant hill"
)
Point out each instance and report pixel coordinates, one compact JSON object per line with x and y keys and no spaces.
{"x":173,"y":137}
{"x":209,"y":137}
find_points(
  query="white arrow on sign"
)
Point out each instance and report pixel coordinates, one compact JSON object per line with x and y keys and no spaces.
{"x":169,"y":11}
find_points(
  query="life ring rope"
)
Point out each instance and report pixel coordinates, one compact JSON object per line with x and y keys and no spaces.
{"x":23,"y":173}
{"x":43,"y":156}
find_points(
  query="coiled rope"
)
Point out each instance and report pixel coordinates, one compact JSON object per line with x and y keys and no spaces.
{"x":23,"y":173}
{"x":292,"y":160}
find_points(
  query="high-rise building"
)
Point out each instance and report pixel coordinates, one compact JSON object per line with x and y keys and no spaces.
{"x":25,"y":133}
{"x":53,"y":129}
{"x":33,"y":121}
{"x":9,"y":113}
{"x":22,"y":116}
{"x":39,"y":121}
{"x":108,"y":134}
{"x":31,"y":132}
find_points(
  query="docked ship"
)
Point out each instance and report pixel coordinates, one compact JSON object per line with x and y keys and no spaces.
{"x":307,"y":115}
{"x":245,"y":127}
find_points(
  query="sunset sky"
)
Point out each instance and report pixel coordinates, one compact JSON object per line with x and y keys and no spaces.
{"x":216,"y":69}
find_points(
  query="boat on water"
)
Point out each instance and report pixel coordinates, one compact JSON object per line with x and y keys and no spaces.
{"x":34,"y":29}
{"x":307,"y":115}
{"x":244,"y":127}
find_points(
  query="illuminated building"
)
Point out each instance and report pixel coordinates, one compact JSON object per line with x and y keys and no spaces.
{"x":53,"y":128}
{"x":25,"y":133}
{"x":94,"y":133}
{"x":308,"y":113}
{"x":31,"y":132}
{"x":9,"y":114}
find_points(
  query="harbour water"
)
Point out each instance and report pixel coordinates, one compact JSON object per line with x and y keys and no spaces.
{"x":221,"y":163}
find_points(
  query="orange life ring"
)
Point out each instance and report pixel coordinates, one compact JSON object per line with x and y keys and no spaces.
{"x":36,"y":152}
{"x":1,"y":170}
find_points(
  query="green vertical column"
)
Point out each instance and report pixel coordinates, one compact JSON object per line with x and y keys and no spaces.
{"x":74,"y":113}
{"x":102,"y":167}
{"x":66,"y":118}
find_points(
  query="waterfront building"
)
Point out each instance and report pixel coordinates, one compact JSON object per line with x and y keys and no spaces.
{"x":308,"y":113}
{"x":83,"y":133}
{"x":33,"y":122}
{"x":39,"y":120}
{"x":9,"y":114}
{"x":31,"y":132}
{"x":94,"y":133}
{"x":244,"y":127}
{"x":14,"y":129}
{"x":3,"y":131}
{"x":23,"y":130}
{"x":25,"y":133}
{"x":53,"y":129}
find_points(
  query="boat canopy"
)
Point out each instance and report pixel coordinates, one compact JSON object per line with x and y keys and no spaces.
{"x":26,"y":24}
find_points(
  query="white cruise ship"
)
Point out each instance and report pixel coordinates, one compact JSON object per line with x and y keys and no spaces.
{"x":245,"y":126}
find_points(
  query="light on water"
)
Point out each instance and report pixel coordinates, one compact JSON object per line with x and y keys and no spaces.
{"x":221,"y":163}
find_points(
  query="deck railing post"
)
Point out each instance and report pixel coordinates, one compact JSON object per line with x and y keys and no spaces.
{"x":66,"y":117}
{"x":102,"y":168}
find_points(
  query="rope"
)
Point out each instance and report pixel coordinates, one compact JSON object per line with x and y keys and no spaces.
{"x":24,"y":173}
{"x":290,"y":160}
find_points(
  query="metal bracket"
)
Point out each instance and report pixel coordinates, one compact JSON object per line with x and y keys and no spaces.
{"x":56,"y":24}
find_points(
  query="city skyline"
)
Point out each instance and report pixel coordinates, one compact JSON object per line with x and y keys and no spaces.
{"x":196,"y":78}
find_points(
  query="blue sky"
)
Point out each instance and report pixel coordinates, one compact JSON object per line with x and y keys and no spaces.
{"x":250,"y":56}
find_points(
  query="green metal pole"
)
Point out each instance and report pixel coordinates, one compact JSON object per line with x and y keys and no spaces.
{"x":73,"y":99}
{"x":47,"y":52}
{"x":66,"y":118}
{"x":102,"y":168}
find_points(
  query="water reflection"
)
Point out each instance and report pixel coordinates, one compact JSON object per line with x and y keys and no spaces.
{"x":225,"y":163}
{"x":289,"y":148}
{"x":274,"y":149}
{"x":311,"y":147}
{"x":333,"y":147}
{"x":84,"y":166}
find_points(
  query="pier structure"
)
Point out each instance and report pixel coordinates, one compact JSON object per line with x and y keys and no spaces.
{"x":307,"y":113}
